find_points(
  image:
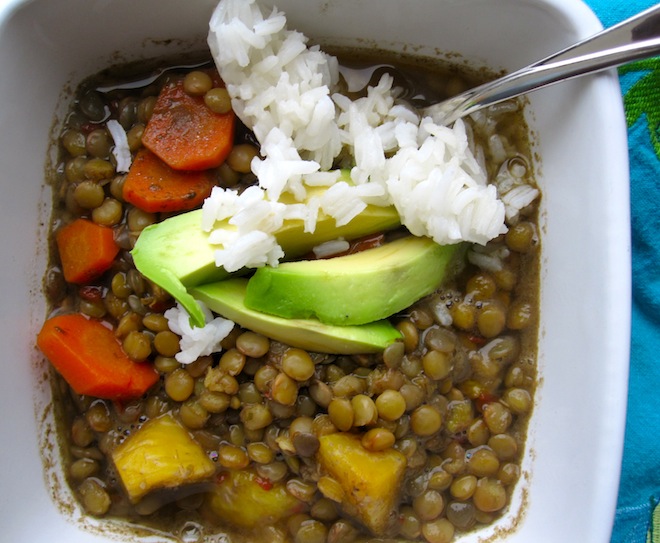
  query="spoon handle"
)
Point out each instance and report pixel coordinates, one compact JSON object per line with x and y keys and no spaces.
{"x":633,"y":39}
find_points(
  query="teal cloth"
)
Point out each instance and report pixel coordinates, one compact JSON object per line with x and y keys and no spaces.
{"x":639,"y":490}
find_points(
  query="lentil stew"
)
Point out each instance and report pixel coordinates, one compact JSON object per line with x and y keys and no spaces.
{"x":447,"y":406}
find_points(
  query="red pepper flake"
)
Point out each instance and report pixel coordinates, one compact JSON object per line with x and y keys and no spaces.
{"x":461,"y":438}
{"x":87,"y":127}
{"x":478,"y":340}
{"x":114,"y":108}
{"x":264,"y":483}
{"x":367,"y":242}
{"x":159,"y":306}
{"x":221,"y":477}
{"x":91,"y":293}
{"x":485,"y":398}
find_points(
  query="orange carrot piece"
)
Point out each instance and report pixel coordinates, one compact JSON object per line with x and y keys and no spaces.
{"x":91,"y":359}
{"x":185,"y":133}
{"x":153,"y":186}
{"x":86,"y":250}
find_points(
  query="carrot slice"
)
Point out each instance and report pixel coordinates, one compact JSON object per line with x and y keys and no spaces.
{"x":153,"y":186}
{"x":91,"y":359}
{"x":86,"y":250}
{"x":185,"y":133}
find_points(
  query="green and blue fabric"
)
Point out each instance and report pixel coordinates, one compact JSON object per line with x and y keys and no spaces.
{"x":638,"y":514}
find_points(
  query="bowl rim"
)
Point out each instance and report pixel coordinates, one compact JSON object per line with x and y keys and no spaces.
{"x":584,"y":23}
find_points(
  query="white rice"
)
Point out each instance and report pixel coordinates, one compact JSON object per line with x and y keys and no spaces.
{"x":286,"y":93}
{"x":254,"y":219}
{"x":515,"y":193}
{"x":276,"y":83}
{"x":121,"y":151}
{"x":489,"y":258}
{"x":330,"y":248}
{"x":196,"y":342}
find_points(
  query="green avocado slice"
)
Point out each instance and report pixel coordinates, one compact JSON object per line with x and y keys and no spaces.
{"x":357,"y":288}
{"x":226,"y":298}
{"x":176,"y":254}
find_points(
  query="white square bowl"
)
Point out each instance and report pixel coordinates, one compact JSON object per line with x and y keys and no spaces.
{"x":572,"y":462}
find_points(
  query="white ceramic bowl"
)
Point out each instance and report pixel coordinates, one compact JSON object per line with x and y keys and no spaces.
{"x":571,"y":468}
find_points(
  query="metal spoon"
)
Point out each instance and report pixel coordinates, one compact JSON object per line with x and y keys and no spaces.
{"x":633,"y":39}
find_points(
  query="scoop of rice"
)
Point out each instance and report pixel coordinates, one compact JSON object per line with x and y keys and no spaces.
{"x":286,"y":93}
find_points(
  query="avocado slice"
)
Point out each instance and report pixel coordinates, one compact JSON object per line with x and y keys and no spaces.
{"x":226,"y":298}
{"x":176,"y":254}
{"x":357,"y":288}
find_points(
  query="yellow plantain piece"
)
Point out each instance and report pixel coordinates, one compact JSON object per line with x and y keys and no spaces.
{"x":244,"y":499}
{"x":369,"y":479}
{"x":161,"y":454}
